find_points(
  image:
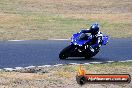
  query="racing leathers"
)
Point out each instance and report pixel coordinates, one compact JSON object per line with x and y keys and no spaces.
{"x":96,"y":38}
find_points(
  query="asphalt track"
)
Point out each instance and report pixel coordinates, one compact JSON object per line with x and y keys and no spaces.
{"x":45,"y":52}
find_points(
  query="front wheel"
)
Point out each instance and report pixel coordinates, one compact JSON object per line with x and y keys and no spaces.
{"x":62,"y":56}
{"x":66,"y":52}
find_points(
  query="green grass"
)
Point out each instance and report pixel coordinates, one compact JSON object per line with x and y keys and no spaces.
{"x":29,"y":19}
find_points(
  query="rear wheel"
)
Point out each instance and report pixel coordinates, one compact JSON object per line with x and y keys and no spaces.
{"x":66,"y":52}
{"x":91,"y":54}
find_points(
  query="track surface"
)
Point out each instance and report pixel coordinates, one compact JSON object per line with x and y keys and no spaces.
{"x":45,"y":52}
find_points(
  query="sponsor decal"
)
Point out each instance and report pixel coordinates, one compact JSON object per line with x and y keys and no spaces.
{"x":83,"y":78}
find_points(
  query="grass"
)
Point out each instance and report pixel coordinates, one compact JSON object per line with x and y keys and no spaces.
{"x":64,"y":76}
{"x":112,"y":68}
{"x":44,"y":19}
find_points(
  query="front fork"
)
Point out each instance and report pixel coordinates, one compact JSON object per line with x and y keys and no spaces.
{"x":85,"y":48}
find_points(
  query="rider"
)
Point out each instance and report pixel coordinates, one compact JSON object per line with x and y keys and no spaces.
{"x":96,"y":35}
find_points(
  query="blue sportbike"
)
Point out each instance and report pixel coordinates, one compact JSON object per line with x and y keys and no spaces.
{"x":80,"y":46}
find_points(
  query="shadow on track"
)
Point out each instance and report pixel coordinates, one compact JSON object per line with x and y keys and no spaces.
{"x":83,"y":59}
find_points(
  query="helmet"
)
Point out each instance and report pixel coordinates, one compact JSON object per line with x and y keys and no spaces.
{"x":94,"y":28}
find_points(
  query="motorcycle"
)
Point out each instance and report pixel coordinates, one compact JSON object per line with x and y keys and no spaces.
{"x":82,"y":45}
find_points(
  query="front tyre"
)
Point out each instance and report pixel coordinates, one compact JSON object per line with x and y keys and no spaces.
{"x":66,"y":52}
{"x":62,"y":56}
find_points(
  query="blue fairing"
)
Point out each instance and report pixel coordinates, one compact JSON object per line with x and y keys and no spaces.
{"x":80,"y":43}
{"x":75,"y":40}
{"x":105,"y":40}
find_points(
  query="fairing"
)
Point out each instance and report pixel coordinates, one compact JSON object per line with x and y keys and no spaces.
{"x":76,"y":41}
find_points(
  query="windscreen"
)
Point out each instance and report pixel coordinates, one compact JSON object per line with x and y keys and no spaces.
{"x":82,"y":36}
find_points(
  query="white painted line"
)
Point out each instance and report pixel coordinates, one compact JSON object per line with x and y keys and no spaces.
{"x":40,"y":66}
{"x":44,"y":66}
{"x":15,"y":40}
{"x":86,"y":63}
{"x":47,"y":65}
{"x":73,"y":63}
{"x":95,"y":62}
{"x":128,"y":60}
{"x":30,"y":67}
{"x":8,"y":69}
{"x":59,"y":39}
{"x":58,"y":65}
{"x":18,"y":68}
{"x":109,"y":61}
{"x":29,"y":40}
{"x":122,"y":61}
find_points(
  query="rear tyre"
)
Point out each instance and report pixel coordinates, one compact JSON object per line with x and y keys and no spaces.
{"x":91,"y":54}
{"x":65,"y":52}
